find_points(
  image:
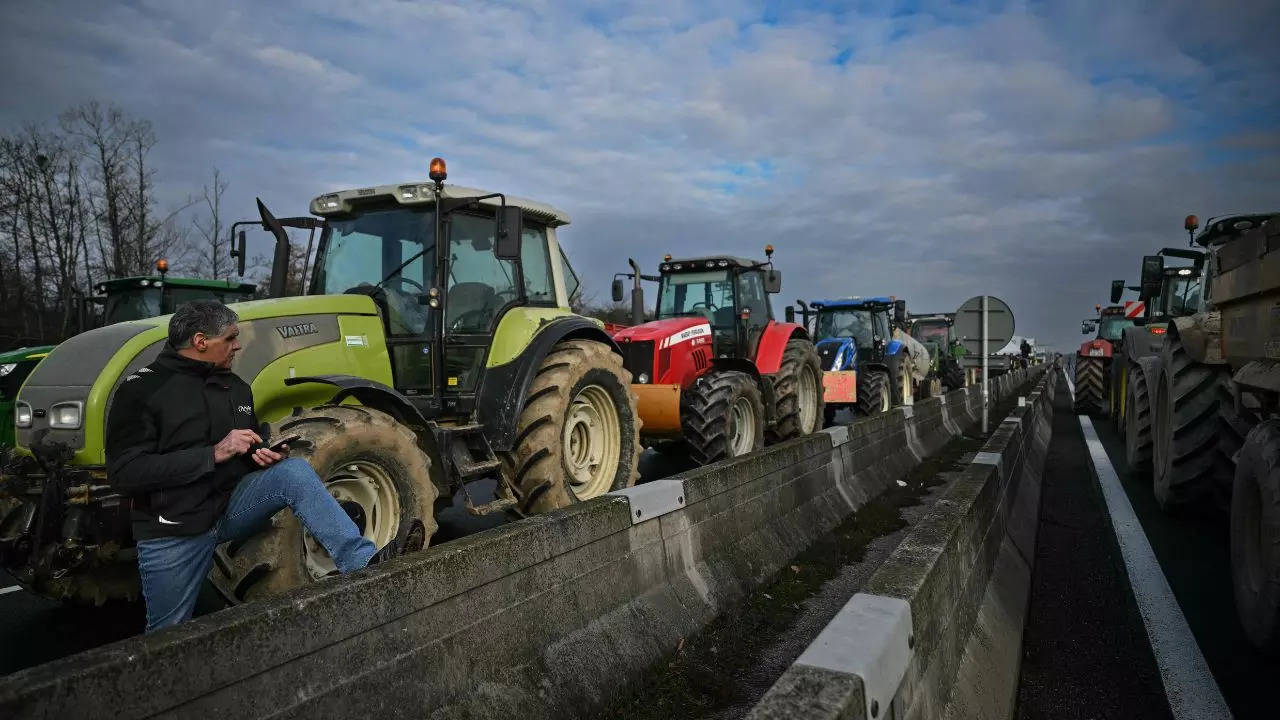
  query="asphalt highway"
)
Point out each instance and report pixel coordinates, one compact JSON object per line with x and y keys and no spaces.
{"x":1087,"y":650}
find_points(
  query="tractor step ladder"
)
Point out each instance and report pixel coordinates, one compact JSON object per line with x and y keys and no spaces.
{"x":469,"y":452}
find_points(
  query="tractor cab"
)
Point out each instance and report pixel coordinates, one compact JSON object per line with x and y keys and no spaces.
{"x":854,"y":330}
{"x":136,"y":298}
{"x":445,"y":265}
{"x":729,"y":293}
{"x":1109,"y":325}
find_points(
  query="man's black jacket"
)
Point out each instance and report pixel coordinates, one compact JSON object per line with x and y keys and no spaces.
{"x":161,"y":429}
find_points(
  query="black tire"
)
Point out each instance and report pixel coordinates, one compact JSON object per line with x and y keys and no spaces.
{"x":1090,"y":384}
{"x":1186,"y":463}
{"x":952,"y":375}
{"x":1233,"y":427}
{"x":1116,"y":387}
{"x":706,"y":415}
{"x":873,"y":393}
{"x":1137,"y":419}
{"x":797,"y":391}
{"x":1255,"y":537}
{"x":537,"y":471}
{"x":349,"y":446}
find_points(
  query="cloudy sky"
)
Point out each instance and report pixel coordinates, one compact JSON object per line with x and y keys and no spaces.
{"x":934,"y":151}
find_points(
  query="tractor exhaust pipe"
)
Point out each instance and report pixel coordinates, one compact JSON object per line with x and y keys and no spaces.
{"x":280,"y":263}
{"x":637,"y":294}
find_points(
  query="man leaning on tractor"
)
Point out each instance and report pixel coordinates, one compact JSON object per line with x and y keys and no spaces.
{"x":184,"y":443}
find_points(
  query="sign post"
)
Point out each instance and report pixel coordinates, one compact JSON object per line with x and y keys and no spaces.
{"x":984,"y":324}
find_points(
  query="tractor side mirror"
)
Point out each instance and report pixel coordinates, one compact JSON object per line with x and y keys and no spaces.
{"x":237,"y":252}
{"x":1117,"y":289}
{"x":773,"y":281}
{"x":900,"y":313}
{"x":510,"y":229}
{"x":1152,"y":276}
{"x":789,"y":313}
{"x":617,"y":289}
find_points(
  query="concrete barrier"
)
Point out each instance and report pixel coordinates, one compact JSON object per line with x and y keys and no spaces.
{"x":937,"y":629}
{"x":547,"y":617}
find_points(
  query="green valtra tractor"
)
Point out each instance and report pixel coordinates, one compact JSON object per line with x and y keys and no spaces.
{"x":434,"y":346}
{"x":122,"y":299}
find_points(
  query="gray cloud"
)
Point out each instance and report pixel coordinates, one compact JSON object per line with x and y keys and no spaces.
{"x":1033,"y":152}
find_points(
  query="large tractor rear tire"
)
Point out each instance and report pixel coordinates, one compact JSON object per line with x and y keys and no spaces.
{"x":1090,"y":385}
{"x":797,"y":387}
{"x":1255,"y":536}
{"x":1186,"y":463}
{"x":371,"y":464}
{"x":723,"y":416}
{"x":874,"y":396}
{"x":578,"y":436}
{"x":1137,"y":416}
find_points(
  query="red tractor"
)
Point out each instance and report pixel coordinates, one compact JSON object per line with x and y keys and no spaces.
{"x":1093,"y":360}
{"x":714,"y":369}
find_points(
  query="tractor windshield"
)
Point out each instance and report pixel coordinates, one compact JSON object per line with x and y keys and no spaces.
{"x":392,"y":251}
{"x":1113,"y":327}
{"x":861,"y":325}
{"x":133,"y":304}
{"x":1180,"y":296}
{"x":926,"y":332}
{"x":709,"y":294}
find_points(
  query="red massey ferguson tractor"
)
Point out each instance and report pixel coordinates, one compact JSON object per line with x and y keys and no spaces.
{"x":714,"y":369}
{"x":1093,"y":360}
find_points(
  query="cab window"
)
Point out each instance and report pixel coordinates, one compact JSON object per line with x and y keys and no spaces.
{"x":536,"y":265}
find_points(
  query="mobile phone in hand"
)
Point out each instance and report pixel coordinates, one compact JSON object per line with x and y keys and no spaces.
{"x":279,"y":445}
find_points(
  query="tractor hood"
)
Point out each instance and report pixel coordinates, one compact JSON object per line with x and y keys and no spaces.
{"x":85,"y":370}
{"x":666,"y":332}
{"x":837,"y":353}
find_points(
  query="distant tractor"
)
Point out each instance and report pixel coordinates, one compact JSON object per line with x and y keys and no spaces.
{"x":1216,"y":415}
{"x":935,"y":331}
{"x":434,"y":346}
{"x":714,"y":370}
{"x":1165,"y":292}
{"x":122,"y":299}
{"x":1093,"y":359}
{"x":867,"y":358}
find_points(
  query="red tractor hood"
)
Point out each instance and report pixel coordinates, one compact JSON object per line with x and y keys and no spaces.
{"x":1096,"y":348}
{"x":672,"y":329}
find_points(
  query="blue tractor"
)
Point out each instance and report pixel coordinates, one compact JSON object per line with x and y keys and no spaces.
{"x":865,"y":367}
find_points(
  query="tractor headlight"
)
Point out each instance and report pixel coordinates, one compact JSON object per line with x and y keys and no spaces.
{"x":7,"y":368}
{"x":22,"y":415}
{"x":642,"y":378}
{"x":66,"y":415}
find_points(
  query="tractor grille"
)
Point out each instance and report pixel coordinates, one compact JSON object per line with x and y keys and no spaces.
{"x":637,"y":357}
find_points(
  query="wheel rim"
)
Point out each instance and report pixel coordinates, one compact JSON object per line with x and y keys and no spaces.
{"x":363,"y":488}
{"x":592,"y":442}
{"x":808,"y":389}
{"x":743,"y":429}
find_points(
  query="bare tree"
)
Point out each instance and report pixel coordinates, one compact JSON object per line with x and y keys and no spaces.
{"x":212,"y":260}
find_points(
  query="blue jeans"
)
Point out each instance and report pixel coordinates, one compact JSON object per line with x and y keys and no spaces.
{"x":174,"y":568}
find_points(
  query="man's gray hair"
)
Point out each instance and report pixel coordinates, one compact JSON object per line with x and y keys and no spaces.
{"x":199,"y":316}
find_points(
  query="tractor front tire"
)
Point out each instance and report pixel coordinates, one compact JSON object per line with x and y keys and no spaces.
{"x":1090,"y":385}
{"x":1186,"y":463}
{"x":797,"y":387}
{"x":952,"y":376}
{"x":873,"y":393}
{"x":578,"y":436}
{"x":1137,"y":416}
{"x":1255,"y":537}
{"x":371,"y":464}
{"x":722,"y":414}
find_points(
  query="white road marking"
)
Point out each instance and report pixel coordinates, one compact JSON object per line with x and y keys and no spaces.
{"x":1189,"y":686}
{"x":1070,"y":385}
{"x":11,"y":588}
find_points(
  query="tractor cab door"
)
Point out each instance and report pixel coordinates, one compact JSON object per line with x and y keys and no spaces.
{"x":753,"y":311}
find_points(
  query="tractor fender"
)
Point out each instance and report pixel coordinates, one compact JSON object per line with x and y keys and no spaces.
{"x":1139,"y":342}
{"x":505,"y":387}
{"x":367,"y":392}
{"x":773,"y":342}
{"x":893,"y":348}
{"x":1259,"y":375}
{"x":1201,"y":336}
